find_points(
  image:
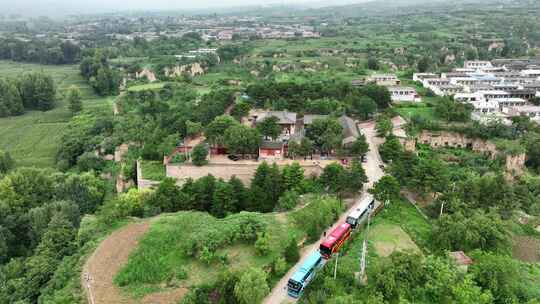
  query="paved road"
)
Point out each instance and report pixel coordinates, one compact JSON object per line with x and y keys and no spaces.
{"x":374,"y":173}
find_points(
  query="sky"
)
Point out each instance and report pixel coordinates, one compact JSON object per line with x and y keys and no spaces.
{"x":59,"y":7}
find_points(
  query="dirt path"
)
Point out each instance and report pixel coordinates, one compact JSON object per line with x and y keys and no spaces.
{"x":373,"y":171}
{"x":100,"y":269}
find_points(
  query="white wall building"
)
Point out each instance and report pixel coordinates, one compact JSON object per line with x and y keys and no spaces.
{"x":404,"y":94}
{"x":477,"y":64}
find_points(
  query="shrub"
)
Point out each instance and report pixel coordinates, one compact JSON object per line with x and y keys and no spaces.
{"x":288,"y":200}
{"x":199,"y":154}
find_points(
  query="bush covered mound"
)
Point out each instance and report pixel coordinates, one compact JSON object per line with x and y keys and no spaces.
{"x":189,"y":248}
{"x":194,"y":246}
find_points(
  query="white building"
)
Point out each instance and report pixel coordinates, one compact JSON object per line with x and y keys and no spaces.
{"x":485,"y":106}
{"x":404,"y":94}
{"x":533,"y":112}
{"x":510,"y":102}
{"x":421,"y":76}
{"x":469,"y":97}
{"x":384,"y":79}
{"x":447,"y":90}
{"x":477,"y":64}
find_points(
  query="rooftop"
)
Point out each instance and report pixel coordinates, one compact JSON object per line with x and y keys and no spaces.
{"x":284,"y":117}
{"x":460,"y":258}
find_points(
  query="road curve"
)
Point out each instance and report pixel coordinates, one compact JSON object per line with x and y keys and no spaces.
{"x":278,"y":294}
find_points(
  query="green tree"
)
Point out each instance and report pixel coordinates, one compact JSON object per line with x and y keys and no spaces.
{"x":199,"y":154}
{"x":90,"y":161}
{"x":86,"y":190}
{"x":359,"y":147}
{"x":479,"y":231}
{"x":365,"y":107}
{"x":293,"y":176}
{"x":74,"y":99}
{"x":373,"y":63}
{"x":262,"y":244}
{"x":168,"y":197}
{"x":57,"y":242}
{"x":240,"y":110}
{"x":269,"y":127}
{"x":379,"y":94}
{"x":391,"y":149}
{"x":326,"y":134}
{"x":356,"y":177}
{"x":386,"y":189}
{"x":429,"y":176}
{"x":334,"y":178}
{"x":240,"y":194}
{"x":266,"y":188}
{"x":242,"y":140}
{"x":224,"y":201}
{"x":215,"y":131}
{"x":291,"y":252}
{"x":252,"y":286}
{"x":498,"y":274}
{"x":11,"y":102}
{"x":452,"y":111}
{"x":383,"y":126}
{"x":6,"y":162}
{"x":423,"y":64}
{"x":288,"y":200}
{"x":304,"y":148}
{"x":193,"y":128}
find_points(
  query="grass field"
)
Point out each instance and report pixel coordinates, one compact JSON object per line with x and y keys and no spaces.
{"x":148,"y":86}
{"x":421,"y":110}
{"x":153,"y":170}
{"x":161,"y":256}
{"x":387,"y":238}
{"x":32,"y":139}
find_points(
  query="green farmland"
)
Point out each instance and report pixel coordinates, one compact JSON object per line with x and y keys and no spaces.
{"x":32,"y":139}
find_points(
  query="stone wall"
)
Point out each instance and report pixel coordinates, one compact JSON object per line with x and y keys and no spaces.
{"x":225,"y":171}
{"x":515,"y":164}
{"x":193,"y":69}
{"x":141,"y":182}
{"x":456,"y":140}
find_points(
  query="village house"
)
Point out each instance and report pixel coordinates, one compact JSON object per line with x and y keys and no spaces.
{"x":421,"y":76}
{"x":447,"y":90}
{"x":485,"y":106}
{"x":488,"y":95}
{"x":286,"y":119}
{"x":533,"y":112}
{"x":384,"y":79}
{"x":272,"y":150}
{"x":477,"y":64}
{"x":469,"y":97}
{"x":404,"y":94}
{"x":435,"y":82}
{"x":510,"y":102}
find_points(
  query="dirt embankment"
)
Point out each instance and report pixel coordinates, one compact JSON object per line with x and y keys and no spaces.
{"x":113,"y":253}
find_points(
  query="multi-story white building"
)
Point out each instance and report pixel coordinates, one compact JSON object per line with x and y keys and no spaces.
{"x":447,"y":89}
{"x":384,"y":79}
{"x":477,"y":64}
{"x":403,"y":94}
{"x":421,"y":76}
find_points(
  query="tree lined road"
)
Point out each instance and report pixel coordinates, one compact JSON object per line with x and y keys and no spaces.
{"x":374,"y":173}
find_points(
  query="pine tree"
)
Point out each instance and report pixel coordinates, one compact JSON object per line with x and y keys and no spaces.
{"x":74,"y":100}
{"x":291,"y":252}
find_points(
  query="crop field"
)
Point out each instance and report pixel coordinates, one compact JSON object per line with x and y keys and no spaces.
{"x":387,"y":238}
{"x":32,"y":139}
{"x":148,"y":86}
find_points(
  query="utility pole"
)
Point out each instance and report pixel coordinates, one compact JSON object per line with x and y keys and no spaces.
{"x":363,"y":260}
{"x":335,"y":267}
